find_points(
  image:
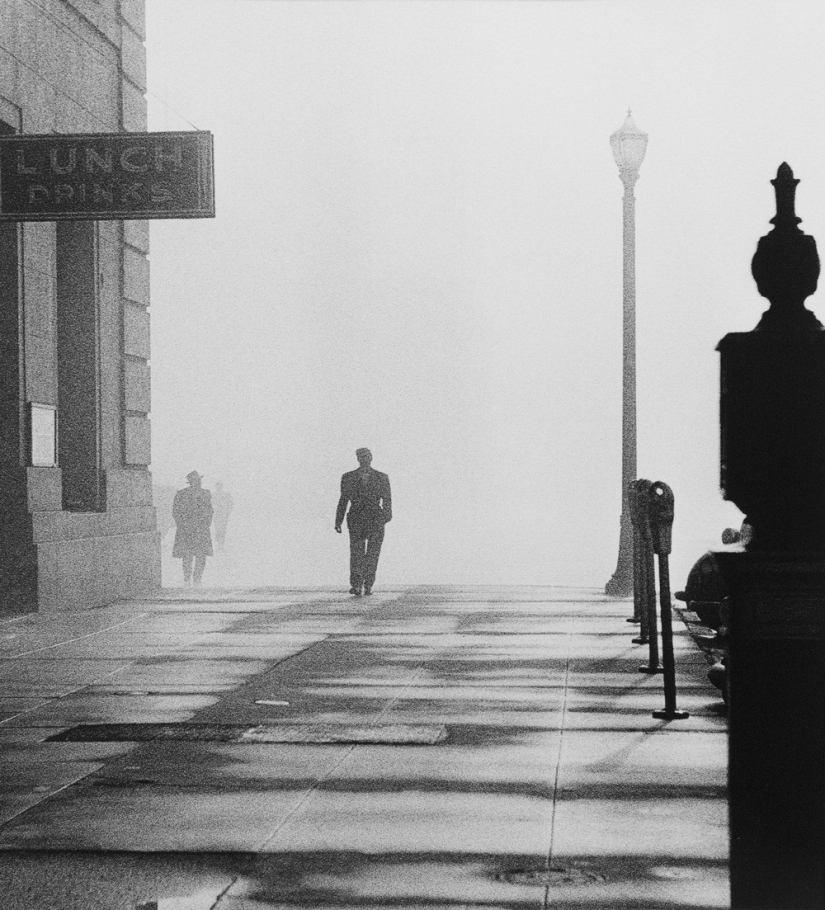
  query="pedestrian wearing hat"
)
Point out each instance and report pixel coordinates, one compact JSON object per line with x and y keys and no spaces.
{"x":367,"y":492}
{"x":192,"y":511}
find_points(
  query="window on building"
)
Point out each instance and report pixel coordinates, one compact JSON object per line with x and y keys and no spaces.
{"x":78,"y":366}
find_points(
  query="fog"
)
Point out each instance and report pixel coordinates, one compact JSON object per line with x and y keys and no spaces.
{"x":418,"y":248}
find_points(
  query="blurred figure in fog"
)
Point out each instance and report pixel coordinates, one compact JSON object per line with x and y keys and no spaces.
{"x":192,"y":511}
{"x":222,"y":505}
{"x":367,"y":492}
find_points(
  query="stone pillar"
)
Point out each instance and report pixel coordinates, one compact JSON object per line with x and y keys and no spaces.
{"x":18,"y":554}
{"x":773,"y":467}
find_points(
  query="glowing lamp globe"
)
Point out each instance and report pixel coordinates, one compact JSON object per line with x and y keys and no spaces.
{"x":629,"y":145}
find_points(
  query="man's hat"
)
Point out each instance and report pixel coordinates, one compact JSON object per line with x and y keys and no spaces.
{"x":192,"y":474}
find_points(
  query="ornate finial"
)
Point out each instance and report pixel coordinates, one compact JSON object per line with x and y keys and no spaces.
{"x":785,"y":188}
{"x":786,"y":263}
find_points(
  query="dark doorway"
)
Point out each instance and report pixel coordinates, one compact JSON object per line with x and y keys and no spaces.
{"x":78,"y":368}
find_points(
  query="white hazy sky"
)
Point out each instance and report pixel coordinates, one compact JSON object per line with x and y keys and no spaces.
{"x":418,"y":248}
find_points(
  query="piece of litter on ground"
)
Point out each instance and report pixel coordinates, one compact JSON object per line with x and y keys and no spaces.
{"x":268,"y":701}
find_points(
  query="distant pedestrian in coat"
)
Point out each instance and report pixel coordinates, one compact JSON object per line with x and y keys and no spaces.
{"x":222,"y":504}
{"x":367,"y":492}
{"x":192,"y":511}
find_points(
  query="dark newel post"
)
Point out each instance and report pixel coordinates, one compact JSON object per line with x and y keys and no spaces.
{"x":773,"y":468}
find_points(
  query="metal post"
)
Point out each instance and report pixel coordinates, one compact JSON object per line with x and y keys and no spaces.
{"x":621,"y":583}
{"x":661,"y":514}
{"x":645,"y":581}
{"x":637,"y":554}
{"x":653,"y":665}
{"x":648,"y":633}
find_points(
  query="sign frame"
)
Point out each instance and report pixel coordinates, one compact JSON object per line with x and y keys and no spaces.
{"x":195,"y":149}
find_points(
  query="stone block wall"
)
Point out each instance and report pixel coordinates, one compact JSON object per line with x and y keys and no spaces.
{"x":74,"y":66}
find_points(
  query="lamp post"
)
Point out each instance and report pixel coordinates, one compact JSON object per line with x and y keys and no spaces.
{"x":628,"y":144}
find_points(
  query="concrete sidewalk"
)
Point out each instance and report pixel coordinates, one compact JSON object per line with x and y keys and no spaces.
{"x":424,"y":747}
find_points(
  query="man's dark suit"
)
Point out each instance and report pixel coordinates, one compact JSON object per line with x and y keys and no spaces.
{"x":368,"y":493}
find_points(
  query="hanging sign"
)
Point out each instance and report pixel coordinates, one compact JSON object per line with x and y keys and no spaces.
{"x":102,"y":176}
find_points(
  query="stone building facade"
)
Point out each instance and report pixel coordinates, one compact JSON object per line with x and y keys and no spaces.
{"x":74,"y":328}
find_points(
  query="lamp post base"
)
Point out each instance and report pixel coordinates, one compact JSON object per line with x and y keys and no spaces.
{"x":620,"y":584}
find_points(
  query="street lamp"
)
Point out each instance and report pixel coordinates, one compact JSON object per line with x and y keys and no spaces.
{"x":628,"y":144}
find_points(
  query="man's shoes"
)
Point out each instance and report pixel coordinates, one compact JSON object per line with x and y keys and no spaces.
{"x":367,"y":591}
{"x":355,"y":591}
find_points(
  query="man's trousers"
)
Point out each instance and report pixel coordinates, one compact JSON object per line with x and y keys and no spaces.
{"x":364,"y":550}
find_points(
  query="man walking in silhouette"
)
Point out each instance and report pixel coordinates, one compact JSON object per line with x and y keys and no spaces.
{"x":367,"y":492}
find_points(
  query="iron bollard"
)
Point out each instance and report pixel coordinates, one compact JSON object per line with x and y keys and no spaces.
{"x":661,"y":523}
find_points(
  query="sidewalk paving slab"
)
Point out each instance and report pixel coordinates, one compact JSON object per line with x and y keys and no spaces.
{"x":553,"y":785}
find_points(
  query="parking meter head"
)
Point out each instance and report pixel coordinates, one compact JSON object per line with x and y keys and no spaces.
{"x":661,"y":508}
